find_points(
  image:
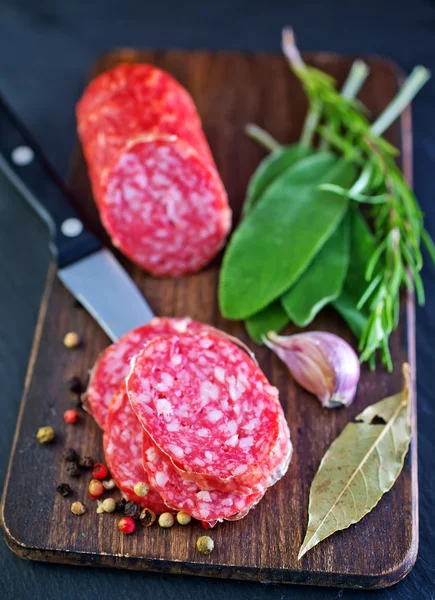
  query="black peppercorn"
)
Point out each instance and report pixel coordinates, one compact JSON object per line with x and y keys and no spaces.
{"x":132,"y":510}
{"x":64,"y":489}
{"x":70,"y":455}
{"x":120,"y":505}
{"x":86,"y":462}
{"x":73,"y":470}
{"x":75,"y":385}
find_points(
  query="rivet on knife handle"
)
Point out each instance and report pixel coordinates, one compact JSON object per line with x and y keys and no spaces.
{"x":24,"y":164}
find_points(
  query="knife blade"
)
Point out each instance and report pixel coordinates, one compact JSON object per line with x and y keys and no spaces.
{"x":87,"y":269}
{"x":103,"y":287}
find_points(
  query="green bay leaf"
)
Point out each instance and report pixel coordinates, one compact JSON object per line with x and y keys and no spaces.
{"x":275,"y":243}
{"x":359,"y":467}
{"x":323,"y":279}
{"x":275,"y":164}
{"x":271,"y":318}
{"x":362,"y":246}
{"x":356,"y":319}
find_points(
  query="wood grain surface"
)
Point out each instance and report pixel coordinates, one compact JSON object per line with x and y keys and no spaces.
{"x":230,"y":89}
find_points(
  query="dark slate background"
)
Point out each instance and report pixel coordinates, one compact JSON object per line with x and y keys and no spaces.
{"x":46,"y":49}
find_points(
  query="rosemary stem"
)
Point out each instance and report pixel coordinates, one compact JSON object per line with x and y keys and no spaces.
{"x":410,"y":88}
{"x":354,"y":82}
{"x":310,"y":124}
{"x":262,"y":137}
{"x":290,"y":50}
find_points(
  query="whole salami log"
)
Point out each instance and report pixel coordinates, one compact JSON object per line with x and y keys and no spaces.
{"x":207,"y":406}
{"x":123,"y":451}
{"x":152,"y":172}
{"x":113,"y":365}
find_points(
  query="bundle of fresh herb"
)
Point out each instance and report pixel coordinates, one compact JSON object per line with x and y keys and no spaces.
{"x":303,"y":241}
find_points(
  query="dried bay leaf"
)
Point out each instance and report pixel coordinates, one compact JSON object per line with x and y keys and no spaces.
{"x":277,"y":240}
{"x":359,"y":467}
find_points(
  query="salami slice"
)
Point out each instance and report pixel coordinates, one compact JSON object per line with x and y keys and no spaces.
{"x":123,"y":450}
{"x":113,"y":365}
{"x":267,"y":474}
{"x":207,"y":406}
{"x":136,"y":101}
{"x":133,"y":98}
{"x":181,"y":494}
{"x":164,"y":208}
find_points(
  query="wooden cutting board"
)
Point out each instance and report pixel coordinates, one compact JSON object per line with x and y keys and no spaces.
{"x":230,"y":89}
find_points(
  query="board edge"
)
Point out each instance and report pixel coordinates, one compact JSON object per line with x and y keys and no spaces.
{"x":48,"y":287}
{"x":386,"y":579}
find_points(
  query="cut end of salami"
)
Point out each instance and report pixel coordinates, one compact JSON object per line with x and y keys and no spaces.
{"x":164,"y":207}
{"x":189,"y":413}
{"x":152,"y":173}
{"x":206,"y":405}
{"x":180,"y":494}
{"x":113,"y":365}
{"x":123,"y":451}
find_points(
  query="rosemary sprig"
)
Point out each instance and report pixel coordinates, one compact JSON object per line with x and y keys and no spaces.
{"x":396,"y":216}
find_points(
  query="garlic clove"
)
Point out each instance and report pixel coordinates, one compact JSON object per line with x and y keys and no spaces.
{"x":321,"y":362}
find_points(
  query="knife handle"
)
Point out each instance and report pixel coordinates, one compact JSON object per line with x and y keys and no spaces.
{"x":24,"y":164}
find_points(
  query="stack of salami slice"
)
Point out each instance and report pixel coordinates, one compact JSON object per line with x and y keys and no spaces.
{"x":153,"y":177}
{"x":189,"y":412}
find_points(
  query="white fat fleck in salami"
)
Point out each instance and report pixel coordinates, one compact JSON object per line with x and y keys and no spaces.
{"x":123,"y":451}
{"x":179,"y":494}
{"x":164,"y":207}
{"x":113,"y":365}
{"x":226,"y":452}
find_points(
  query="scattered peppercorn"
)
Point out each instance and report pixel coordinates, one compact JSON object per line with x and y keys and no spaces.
{"x":95,"y":488}
{"x":71,"y":416}
{"x":147,"y":517}
{"x":109,"y":484}
{"x":75,"y":385}
{"x":141,"y":489}
{"x":131,"y":509}
{"x":72,"y":469}
{"x":71,"y":340}
{"x":70,"y":455}
{"x":205,"y":544}
{"x":64,"y":489}
{"x":126,"y":525}
{"x":100,"y":507}
{"x":166,"y":520}
{"x":45,"y":435}
{"x":99,"y":471}
{"x":86,"y":462}
{"x":120,"y":505}
{"x":77,"y":508}
{"x":109,"y":505}
{"x":183,"y":517}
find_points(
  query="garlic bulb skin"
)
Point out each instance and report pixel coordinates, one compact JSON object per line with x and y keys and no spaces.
{"x":321,"y":362}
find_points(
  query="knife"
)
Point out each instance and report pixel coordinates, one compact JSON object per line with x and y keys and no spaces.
{"x":89,"y":271}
